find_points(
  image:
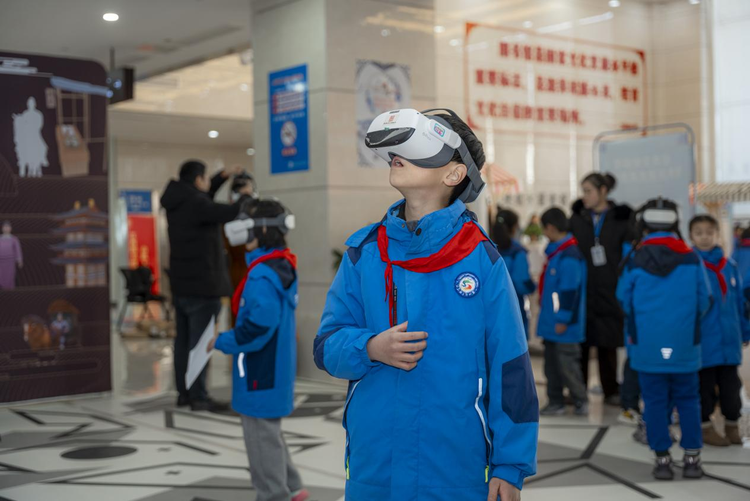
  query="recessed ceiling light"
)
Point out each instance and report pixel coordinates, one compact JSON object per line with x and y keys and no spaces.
{"x":385,"y":32}
{"x":527,"y":24}
{"x":244,"y":87}
{"x":694,"y":2}
{"x":213,"y":134}
{"x":439,"y":29}
{"x":455,"y":42}
{"x":614,"y":3}
{"x":250,"y":152}
{"x":111,"y":17}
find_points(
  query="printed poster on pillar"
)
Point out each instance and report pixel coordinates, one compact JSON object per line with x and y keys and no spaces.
{"x":55,"y":314}
{"x":288,"y":114}
{"x":380,"y":87}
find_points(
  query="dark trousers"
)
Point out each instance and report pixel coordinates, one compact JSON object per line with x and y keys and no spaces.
{"x":607,"y":368}
{"x":192,"y":315}
{"x":660,"y":393}
{"x":724,"y":377}
{"x":630,"y":391}
{"x":562,"y":368}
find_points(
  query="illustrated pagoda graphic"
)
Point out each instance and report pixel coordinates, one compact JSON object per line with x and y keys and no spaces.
{"x":84,"y":253}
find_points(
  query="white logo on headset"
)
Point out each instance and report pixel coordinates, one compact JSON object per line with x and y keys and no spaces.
{"x":666,"y":353}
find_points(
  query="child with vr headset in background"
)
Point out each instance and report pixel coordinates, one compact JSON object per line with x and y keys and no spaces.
{"x":724,"y":329}
{"x":423,"y":321}
{"x":664,"y":293}
{"x":263,"y":345}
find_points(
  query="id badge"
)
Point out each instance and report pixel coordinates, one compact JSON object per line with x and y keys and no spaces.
{"x":598,"y":256}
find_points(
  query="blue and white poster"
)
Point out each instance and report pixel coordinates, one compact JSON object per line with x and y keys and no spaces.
{"x":137,"y":201}
{"x":288,"y":104}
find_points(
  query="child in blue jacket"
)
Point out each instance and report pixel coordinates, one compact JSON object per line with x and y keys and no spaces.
{"x":664,"y":293}
{"x":562,"y":317}
{"x":741,"y":255}
{"x":264,"y":349}
{"x":515,"y":257}
{"x":723,"y":331}
{"x":423,"y":321}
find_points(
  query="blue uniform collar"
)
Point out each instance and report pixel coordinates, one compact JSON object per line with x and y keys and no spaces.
{"x":713,"y":256}
{"x":660,"y":234}
{"x":257,"y":253}
{"x":432,"y":230}
{"x":553,"y":246}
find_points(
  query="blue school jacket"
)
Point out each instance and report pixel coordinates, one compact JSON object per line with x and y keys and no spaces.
{"x":564,"y":295}
{"x":469,"y":410}
{"x":664,"y":294}
{"x":263,"y":341}
{"x":517,"y":261}
{"x":724,"y":327}
{"x":741,"y":256}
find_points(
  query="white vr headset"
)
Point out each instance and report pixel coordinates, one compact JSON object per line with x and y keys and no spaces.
{"x":242,"y":231}
{"x":426,"y":141}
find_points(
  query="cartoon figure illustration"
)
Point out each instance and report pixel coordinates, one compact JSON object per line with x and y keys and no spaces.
{"x":10,"y":257}
{"x":36,"y":333}
{"x":60,"y":327}
{"x":31,"y":150}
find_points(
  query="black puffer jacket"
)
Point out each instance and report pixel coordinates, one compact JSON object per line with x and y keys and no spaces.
{"x":604,"y":317}
{"x":198,"y":263}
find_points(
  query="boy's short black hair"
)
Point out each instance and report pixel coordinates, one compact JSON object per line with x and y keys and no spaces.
{"x":473,"y":144}
{"x":555,"y":217}
{"x":273,"y":237}
{"x":704,"y":218}
{"x":191,"y":170}
{"x":745,"y":233}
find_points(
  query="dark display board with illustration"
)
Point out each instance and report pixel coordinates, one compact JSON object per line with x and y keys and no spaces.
{"x":54,"y":297}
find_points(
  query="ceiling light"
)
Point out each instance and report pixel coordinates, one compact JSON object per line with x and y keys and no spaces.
{"x":250,"y":152}
{"x":244,"y":87}
{"x":455,"y":42}
{"x":527,"y":24}
{"x":213,"y":134}
{"x":694,"y":2}
{"x":385,"y":33}
{"x":111,"y":17}
{"x":439,"y":29}
{"x":614,"y":3}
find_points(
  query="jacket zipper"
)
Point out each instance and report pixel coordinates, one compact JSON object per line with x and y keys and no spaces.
{"x":395,"y":304}
{"x":484,"y":429}
{"x":346,"y":408}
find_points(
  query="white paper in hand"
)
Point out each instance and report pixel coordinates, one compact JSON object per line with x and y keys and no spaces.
{"x":199,"y":357}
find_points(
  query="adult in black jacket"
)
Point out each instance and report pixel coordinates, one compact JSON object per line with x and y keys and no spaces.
{"x":198,"y":270}
{"x":602,"y":228}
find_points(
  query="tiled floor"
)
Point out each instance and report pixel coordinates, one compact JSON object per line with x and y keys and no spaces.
{"x":135,"y":445}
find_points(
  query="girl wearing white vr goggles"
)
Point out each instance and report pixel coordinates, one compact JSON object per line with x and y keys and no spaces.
{"x":407,"y":137}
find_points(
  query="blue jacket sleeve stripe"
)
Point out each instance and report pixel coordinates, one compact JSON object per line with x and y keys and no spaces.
{"x":519,"y":390}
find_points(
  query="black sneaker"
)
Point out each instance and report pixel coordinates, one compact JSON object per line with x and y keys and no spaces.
{"x":692,"y":467}
{"x":613,"y":401}
{"x":183,"y":401}
{"x":210,"y":405}
{"x":663,"y":469}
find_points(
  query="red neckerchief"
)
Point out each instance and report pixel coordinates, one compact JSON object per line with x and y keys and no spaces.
{"x":557,"y":251}
{"x":716,"y":268}
{"x":674,"y":244}
{"x":745,"y":242}
{"x":457,"y":248}
{"x":277,"y":254}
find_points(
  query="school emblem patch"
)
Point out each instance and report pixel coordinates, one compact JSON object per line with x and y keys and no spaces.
{"x":467,"y":285}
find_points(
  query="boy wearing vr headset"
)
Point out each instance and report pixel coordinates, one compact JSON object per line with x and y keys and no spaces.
{"x":423,"y":321}
{"x":264,"y":347}
{"x":664,"y":293}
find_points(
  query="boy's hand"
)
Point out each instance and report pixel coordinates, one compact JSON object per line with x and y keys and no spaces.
{"x":560,"y":328}
{"x":503,"y":489}
{"x":397,"y":347}
{"x":212,"y":344}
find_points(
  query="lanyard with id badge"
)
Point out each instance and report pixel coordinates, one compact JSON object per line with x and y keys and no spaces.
{"x":598,"y":255}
